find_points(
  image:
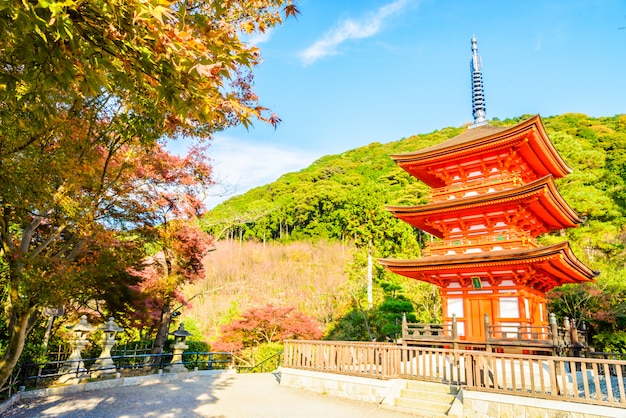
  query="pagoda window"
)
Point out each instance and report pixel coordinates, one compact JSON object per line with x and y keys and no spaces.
{"x":472,"y":193}
{"x":455,"y":293}
{"x":509,"y":307}
{"x":473,"y":250}
{"x":455,"y":307}
{"x":507,"y":283}
{"x":454,"y":285}
{"x":479,"y":292}
{"x":460,"y":326}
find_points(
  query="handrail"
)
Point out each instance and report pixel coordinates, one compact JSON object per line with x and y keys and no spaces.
{"x":32,"y":375}
{"x":250,"y":369}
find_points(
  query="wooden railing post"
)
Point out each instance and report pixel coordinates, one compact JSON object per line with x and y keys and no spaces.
{"x":455,"y":333}
{"x":488,"y":335}
{"x":554,"y":330}
{"x":405,"y":328}
{"x":574,"y":333}
{"x":575,"y":351}
{"x":583,"y":330}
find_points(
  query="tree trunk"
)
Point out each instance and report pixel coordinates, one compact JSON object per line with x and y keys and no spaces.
{"x":20,"y":325}
{"x":161,"y":337}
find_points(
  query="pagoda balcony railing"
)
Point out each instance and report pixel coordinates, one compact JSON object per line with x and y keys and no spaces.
{"x":433,"y":332}
{"x":551,"y":336}
{"x":476,"y":187}
{"x":483,"y":243}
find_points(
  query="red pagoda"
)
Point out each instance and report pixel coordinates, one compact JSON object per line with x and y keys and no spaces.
{"x":492,"y":194}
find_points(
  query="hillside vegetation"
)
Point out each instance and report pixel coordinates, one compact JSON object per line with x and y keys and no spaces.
{"x":341,"y":199}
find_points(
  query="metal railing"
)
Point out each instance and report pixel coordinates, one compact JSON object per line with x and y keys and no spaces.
{"x":37,"y":375}
{"x":269,"y":364}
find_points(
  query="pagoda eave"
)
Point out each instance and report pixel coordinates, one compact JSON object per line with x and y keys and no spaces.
{"x":528,"y":137}
{"x":539,"y":197}
{"x":557,"y":263}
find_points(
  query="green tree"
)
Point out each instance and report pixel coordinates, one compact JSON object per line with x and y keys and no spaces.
{"x":86,"y":87}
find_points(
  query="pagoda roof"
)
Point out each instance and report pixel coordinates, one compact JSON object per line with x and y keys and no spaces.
{"x":551,"y":266}
{"x":529,"y":136}
{"x":540,"y":197}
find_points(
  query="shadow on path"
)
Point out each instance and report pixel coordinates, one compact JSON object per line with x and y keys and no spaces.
{"x":218,"y":396}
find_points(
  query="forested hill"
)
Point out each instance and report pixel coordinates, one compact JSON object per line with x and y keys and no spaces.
{"x":343,"y":196}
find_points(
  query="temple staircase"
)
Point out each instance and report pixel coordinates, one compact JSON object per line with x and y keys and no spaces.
{"x":427,"y":399}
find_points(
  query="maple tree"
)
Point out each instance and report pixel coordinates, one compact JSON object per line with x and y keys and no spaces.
{"x":76,"y":216}
{"x":182,"y":65}
{"x":182,"y":246}
{"x":265,"y":325}
{"x":88,"y":92}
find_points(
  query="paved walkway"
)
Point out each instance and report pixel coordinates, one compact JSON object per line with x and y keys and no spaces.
{"x":218,"y":396}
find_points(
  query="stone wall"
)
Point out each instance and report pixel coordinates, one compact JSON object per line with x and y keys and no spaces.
{"x":351,"y":387}
{"x":487,"y":405}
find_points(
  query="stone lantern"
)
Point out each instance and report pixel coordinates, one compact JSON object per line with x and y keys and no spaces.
{"x":104,"y":366}
{"x":74,"y":368}
{"x":180,"y":337}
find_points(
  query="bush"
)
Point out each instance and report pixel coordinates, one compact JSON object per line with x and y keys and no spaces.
{"x":610,"y":342}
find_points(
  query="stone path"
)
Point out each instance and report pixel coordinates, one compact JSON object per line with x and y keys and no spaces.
{"x":217,"y":396}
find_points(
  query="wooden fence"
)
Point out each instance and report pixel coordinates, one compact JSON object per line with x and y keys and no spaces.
{"x":585,"y":380}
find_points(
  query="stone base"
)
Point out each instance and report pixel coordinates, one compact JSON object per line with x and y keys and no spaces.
{"x":176,"y":368}
{"x":73,"y":377}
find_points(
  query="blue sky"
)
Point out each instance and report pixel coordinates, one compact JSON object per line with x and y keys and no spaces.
{"x":347,"y":73}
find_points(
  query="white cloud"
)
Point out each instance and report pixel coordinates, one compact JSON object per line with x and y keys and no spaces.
{"x":239,"y":165}
{"x":368,"y":25}
{"x":260,"y":37}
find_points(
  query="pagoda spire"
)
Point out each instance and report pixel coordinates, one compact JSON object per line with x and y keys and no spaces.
{"x":478,"y":94}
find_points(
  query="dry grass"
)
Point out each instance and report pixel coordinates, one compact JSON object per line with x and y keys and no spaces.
{"x":307,"y":276}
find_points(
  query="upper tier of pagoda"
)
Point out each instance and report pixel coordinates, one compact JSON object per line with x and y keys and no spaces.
{"x":531,"y":209}
{"x":518,"y":154}
{"x":496,"y":193}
